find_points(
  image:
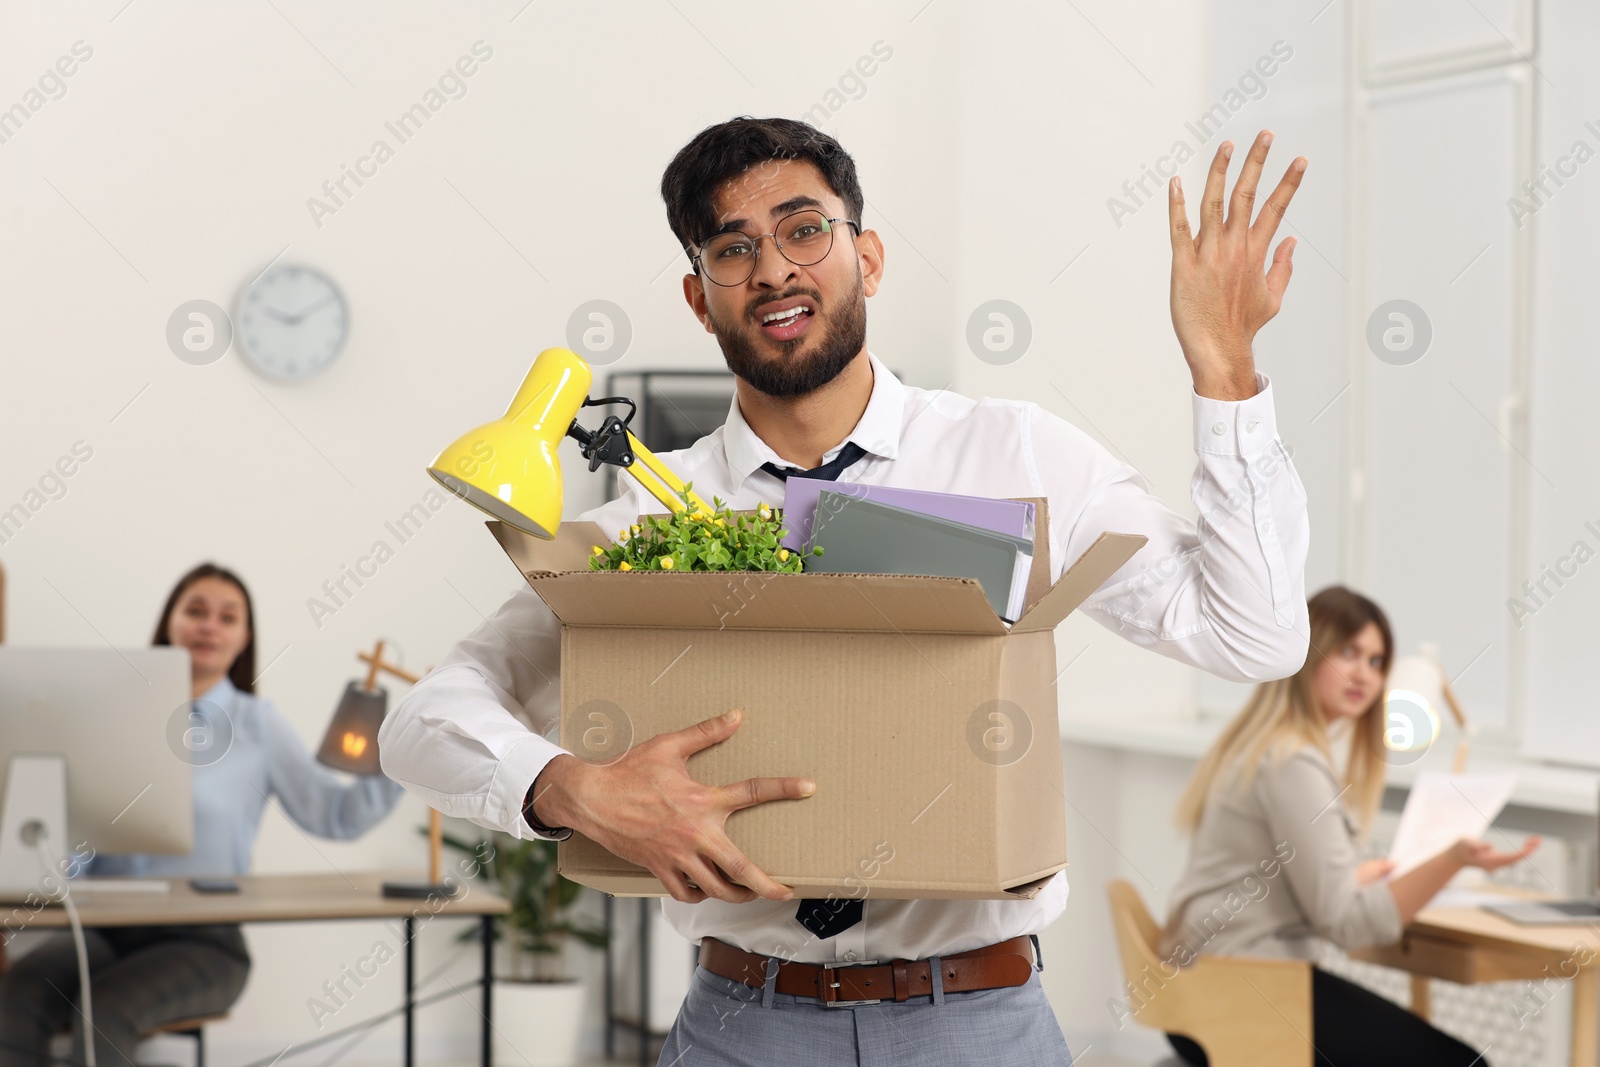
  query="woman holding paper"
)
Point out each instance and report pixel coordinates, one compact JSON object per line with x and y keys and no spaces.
{"x":1277,"y":812}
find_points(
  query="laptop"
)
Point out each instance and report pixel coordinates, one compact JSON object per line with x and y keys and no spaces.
{"x":1572,"y":912}
{"x":1549,"y":912}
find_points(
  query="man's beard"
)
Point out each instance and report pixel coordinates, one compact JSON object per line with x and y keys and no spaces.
{"x":786,"y":375}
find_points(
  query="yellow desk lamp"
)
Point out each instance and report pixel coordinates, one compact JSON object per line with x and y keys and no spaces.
{"x":509,"y":469}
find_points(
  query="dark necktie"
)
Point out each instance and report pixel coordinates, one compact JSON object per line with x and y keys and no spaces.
{"x":824,"y":918}
{"x":828,"y":472}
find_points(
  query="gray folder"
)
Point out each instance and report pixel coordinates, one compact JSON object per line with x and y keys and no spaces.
{"x":866,"y":537}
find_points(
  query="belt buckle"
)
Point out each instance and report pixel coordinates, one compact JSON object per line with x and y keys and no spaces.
{"x":829,"y":983}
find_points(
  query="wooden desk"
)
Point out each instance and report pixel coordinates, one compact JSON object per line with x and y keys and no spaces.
{"x":1470,"y":945}
{"x":269,"y":898}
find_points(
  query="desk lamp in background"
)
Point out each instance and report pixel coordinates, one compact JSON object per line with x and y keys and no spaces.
{"x":351,"y":745}
{"x":509,"y":469}
{"x":1417,"y":690}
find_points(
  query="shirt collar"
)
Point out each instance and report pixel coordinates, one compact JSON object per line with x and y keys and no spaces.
{"x":221,"y":693}
{"x":877,"y":431}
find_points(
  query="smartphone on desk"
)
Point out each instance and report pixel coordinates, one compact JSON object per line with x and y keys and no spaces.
{"x":213,"y":885}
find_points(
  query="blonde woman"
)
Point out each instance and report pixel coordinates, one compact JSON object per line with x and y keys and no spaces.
{"x":1277,"y":809}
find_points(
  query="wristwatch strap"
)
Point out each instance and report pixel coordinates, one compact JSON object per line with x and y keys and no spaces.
{"x":554,"y":833}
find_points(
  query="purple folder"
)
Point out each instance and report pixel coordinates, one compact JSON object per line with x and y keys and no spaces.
{"x":1012,"y":517}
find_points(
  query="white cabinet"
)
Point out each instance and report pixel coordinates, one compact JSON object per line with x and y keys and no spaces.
{"x":1442,"y":457}
{"x":1438,"y":329}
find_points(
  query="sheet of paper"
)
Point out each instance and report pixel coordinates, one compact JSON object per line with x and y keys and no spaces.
{"x":1442,"y":809}
{"x":1454,"y":897}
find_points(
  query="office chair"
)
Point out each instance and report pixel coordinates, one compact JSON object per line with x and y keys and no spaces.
{"x":1244,"y":1012}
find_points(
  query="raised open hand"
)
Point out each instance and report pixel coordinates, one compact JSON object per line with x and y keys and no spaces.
{"x":1220,"y":296}
{"x":1482,"y":854}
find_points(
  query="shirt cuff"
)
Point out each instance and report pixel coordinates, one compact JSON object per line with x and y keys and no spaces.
{"x":513,"y":777}
{"x":1385,"y":913}
{"x":1235,"y":427}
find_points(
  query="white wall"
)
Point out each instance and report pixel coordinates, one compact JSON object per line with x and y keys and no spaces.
{"x":179,"y":163}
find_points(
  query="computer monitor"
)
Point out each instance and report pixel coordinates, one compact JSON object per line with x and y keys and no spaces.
{"x":117,"y":720}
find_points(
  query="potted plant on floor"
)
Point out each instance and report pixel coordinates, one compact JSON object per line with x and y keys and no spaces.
{"x":538,"y":1008}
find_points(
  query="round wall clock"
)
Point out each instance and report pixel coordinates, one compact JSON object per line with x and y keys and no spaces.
{"x":292,"y":321}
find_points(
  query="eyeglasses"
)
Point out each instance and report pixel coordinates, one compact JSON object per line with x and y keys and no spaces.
{"x":804,"y":238}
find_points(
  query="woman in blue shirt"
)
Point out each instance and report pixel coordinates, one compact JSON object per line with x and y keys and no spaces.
{"x":242,"y":751}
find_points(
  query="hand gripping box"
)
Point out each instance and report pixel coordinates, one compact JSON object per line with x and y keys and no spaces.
{"x":928,"y":725}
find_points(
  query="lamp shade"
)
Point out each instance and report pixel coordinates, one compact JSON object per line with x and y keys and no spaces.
{"x":1420,"y":707}
{"x":508,"y":468}
{"x":1421,"y":678}
{"x":1411,"y":710}
{"x":351,"y":743}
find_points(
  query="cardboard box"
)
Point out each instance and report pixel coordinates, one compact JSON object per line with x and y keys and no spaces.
{"x":928,"y":725}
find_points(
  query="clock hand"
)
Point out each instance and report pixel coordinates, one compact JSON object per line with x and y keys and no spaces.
{"x":296,"y":320}
{"x":280,"y":316}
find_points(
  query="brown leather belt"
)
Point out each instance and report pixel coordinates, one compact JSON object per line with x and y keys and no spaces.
{"x":990,"y":967}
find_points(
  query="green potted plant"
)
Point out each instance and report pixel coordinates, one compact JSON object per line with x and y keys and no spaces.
{"x":698,"y":540}
{"x":538,"y":1008}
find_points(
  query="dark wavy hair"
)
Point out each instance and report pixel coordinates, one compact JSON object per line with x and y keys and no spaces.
{"x":243,"y":672}
{"x":728,"y":149}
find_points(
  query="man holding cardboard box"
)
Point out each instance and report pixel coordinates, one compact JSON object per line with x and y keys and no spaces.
{"x":938,"y":971}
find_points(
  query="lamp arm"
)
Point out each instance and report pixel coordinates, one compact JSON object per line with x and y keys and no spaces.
{"x":1454,"y":704}
{"x":658,"y":479}
{"x":377,"y":663}
{"x":613,"y":443}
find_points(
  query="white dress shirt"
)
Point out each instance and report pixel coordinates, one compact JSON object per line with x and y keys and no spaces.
{"x":1227,"y":596}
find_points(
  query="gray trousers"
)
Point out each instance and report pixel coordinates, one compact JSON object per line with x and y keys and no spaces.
{"x":140,"y":978}
{"x":723,"y":1023}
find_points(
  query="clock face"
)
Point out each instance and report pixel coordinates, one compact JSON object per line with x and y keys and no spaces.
{"x":292,"y":322}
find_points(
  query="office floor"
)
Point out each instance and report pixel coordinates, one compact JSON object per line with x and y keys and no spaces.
{"x":1091,"y":1058}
